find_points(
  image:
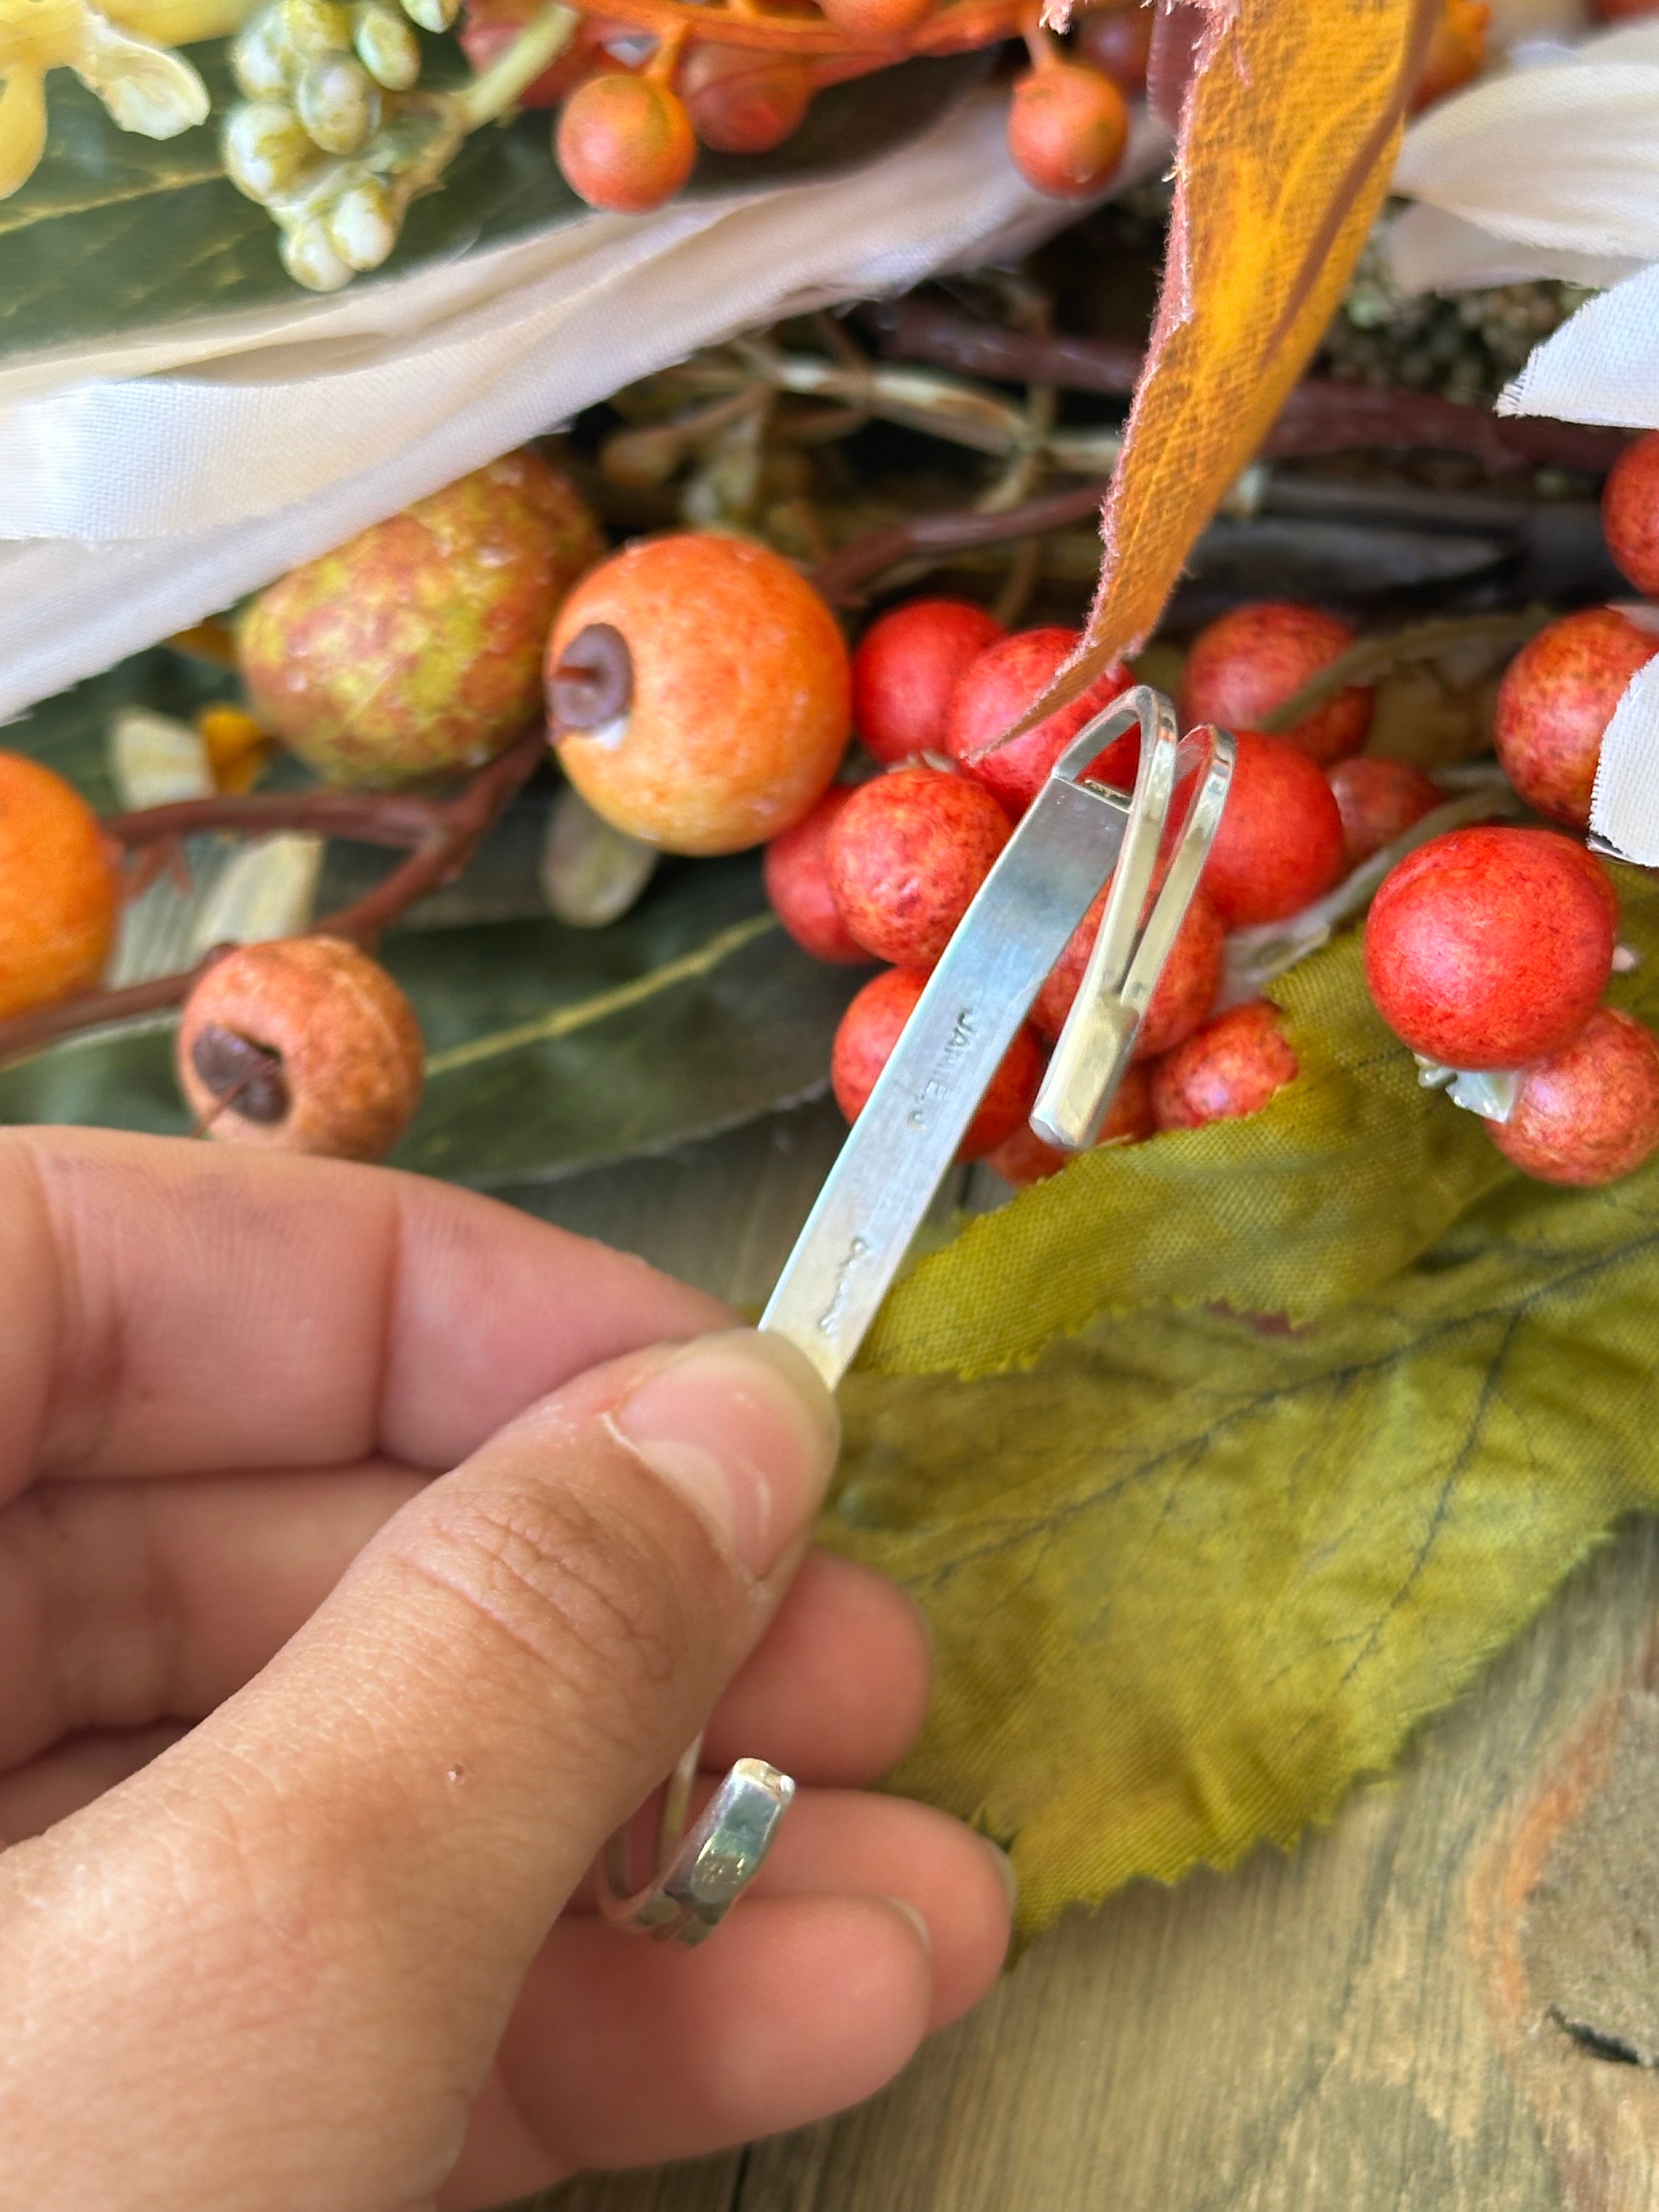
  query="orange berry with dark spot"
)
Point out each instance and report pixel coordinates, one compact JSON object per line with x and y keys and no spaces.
{"x":698,"y":692}
{"x":872,"y":1027}
{"x":59,"y":894}
{"x":303,"y":1044}
{"x":1229,"y":1068}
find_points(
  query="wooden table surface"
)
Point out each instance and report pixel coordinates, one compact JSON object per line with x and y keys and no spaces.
{"x":1448,"y":2000}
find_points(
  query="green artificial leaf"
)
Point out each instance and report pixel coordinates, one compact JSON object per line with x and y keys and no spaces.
{"x":552,"y":1049}
{"x":115,"y":232}
{"x":1189,"y":1574}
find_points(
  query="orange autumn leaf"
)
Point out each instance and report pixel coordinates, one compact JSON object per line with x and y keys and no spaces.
{"x":1287,"y":141}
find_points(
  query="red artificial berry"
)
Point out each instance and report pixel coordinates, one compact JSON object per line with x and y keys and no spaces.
{"x":1025,"y":1157}
{"x":60,"y":893}
{"x":797,"y":869}
{"x":1067,"y":128}
{"x":1279,"y":845}
{"x":907,"y":854}
{"x":877,"y":20}
{"x":742,"y":100}
{"x":1186,"y":990}
{"x":1379,"y":801}
{"x":625,"y":143}
{"x":1117,"y":41}
{"x":1554,"y":704}
{"x":1594,"y":874}
{"x":995,"y":690}
{"x":1229,"y":1068}
{"x":1488,"y":947}
{"x":1589,"y":1112}
{"x":1245,"y":666}
{"x":870,"y":1028}
{"x":1629,"y":512}
{"x":906,"y":667}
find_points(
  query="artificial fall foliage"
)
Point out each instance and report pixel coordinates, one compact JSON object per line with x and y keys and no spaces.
{"x":1193,"y":1570}
{"x":1288,"y":138}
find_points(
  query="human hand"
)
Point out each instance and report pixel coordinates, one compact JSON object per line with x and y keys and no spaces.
{"x":330,"y":1744}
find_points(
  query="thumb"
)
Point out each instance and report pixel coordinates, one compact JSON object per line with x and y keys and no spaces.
{"x":359,"y":1854}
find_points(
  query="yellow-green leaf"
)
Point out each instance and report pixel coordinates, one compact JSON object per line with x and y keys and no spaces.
{"x":1189,"y":1576}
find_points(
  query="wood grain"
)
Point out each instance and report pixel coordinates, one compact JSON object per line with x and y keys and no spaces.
{"x":1321,"y":2032}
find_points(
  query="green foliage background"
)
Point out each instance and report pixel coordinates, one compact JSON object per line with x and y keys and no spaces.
{"x":1191,"y":1567}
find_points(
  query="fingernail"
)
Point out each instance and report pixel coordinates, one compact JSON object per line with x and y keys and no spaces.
{"x":740,"y":1424}
{"x":1005,"y":1867}
{"x":925,"y":1934}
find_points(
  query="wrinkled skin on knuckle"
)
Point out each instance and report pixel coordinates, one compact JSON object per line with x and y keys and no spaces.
{"x":590,"y":1584}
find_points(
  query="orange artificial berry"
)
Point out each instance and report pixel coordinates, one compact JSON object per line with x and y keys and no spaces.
{"x":625,"y":143}
{"x":1067,"y":128}
{"x":1629,"y":512}
{"x":1248,"y":663}
{"x":742,"y":100}
{"x":698,"y":692}
{"x":1025,"y":1158}
{"x":1378,"y":800}
{"x":303,"y":1044}
{"x":1589,"y":1112}
{"x":58,"y":891}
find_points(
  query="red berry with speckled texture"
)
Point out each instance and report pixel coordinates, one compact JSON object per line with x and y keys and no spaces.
{"x":797,"y":870}
{"x":1067,"y":128}
{"x":1488,"y":947}
{"x":1186,"y":990}
{"x":995,"y":691}
{"x":1554,"y":704}
{"x":1229,"y":1068}
{"x":1247,"y":664}
{"x":1379,"y":801}
{"x":870,"y":1028}
{"x":1589,"y":1112}
{"x":906,"y":668}
{"x":625,"y":143}
{"x":1281,"y":842}
{"x":1630,"y":513}
{"x":1025,"y":1158}
{"x":907,"y":854}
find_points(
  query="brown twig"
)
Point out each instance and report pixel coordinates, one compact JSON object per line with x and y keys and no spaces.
{"x":1321,"y":415}
{"x":442,"y":836}
{"x":843,"y":575}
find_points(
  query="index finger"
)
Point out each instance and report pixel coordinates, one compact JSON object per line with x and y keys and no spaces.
{"x":175,"y":1307}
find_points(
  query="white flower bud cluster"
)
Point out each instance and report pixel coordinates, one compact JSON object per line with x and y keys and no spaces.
{"x":331,"y":137}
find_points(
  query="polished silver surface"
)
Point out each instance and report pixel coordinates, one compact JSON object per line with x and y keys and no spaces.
{"x":697,"y":1882}
{"x":1065,"y":846}
{"x":1093,"y":1049}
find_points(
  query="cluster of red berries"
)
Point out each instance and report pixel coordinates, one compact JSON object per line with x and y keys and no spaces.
{"x":886,"y":869}
{"x":627,"y":132}
{"x":1488,"y":949}
{"x":1491,"y":949}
